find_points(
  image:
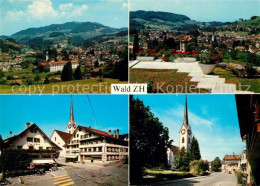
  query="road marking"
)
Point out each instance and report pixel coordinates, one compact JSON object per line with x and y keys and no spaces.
{"x":70,"y":183}
{"x":63,"y":181}
{"x":65,"y":177}
{"x":62,"y":176}
{"x":69,"y":167}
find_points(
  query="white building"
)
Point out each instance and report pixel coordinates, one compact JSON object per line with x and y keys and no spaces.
{"x":91,"y":145}
{"x":36,"y":143}
{"x":231,"y":164}
{"x":185,"y":137}
{"x":61,"y":138}
{"x":58,"y":65}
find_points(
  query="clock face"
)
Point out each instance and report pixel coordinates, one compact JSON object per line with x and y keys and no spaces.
{"x":183,"y":131}
{"x":69,"y":126}
{"x":74,"y":126}
{"x":189,"y":132}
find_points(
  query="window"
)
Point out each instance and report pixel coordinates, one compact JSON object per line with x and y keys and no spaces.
{"x":77,"y":135}
{"x":40,"y":148}
{"x":29,"y":139}
{"x":33,"y":130}
{"x":37,"y":140}
{"x":55,"y":138}
{"x":189,"y":140}
{"x":48,"y":148}
{"x":182,"y":139}
{"x":31,"y":147}
{"x":46,"y":156}
{"x":19,"y":147}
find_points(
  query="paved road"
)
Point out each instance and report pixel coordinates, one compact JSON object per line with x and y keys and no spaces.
{"x":215,"y":179}
{"x":78,"y":174}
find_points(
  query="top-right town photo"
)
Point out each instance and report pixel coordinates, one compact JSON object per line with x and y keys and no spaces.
{"x":184,"y":46}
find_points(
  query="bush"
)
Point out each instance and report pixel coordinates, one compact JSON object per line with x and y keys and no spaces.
{"x":172,"y":176}
{"x":241,"y":177}
{"x":198,"y":167}
{"x":9,"y":77}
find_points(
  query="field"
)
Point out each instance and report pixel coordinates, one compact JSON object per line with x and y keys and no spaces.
{"x":97,"y":86}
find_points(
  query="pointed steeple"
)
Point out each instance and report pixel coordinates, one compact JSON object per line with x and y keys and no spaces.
{"x":185,"y":118}
{"x":72,"y":123}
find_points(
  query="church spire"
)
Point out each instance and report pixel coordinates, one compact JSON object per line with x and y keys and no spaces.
{"x":185,"y":118}
{"x":72,"y":123}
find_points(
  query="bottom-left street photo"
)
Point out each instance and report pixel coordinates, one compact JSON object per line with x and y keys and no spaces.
{"x":64,"y":140}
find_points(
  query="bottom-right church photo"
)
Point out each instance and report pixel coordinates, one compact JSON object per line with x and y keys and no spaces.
{"x":194,"y":139}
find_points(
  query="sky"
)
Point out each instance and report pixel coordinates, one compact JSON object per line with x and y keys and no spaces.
{"x":52,"y":112}
{"x":213,"y":120}
{"x":202,"y":10}
{"x":16,"y":15}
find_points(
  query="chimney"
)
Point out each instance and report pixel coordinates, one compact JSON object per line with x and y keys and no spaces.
{"x":27,"y":125}
{"x":109,"y":132}
{"x":11,"y":133}
{"x":114,"y":133}
{"x":117,"y":133}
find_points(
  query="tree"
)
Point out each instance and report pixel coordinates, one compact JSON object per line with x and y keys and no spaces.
{"x":194,"y":149}
{"x":198,"y":167}
{"x":46,"y":80}
{"x":66,"y":74}
{"x":136,"y":46}
{"x":182,"y":160}
{"x":216,"y":164}
{"x":149,"y":140}
{"x":78,"y":74}
{"x":37,"y":78}
{"x":233,"y":54}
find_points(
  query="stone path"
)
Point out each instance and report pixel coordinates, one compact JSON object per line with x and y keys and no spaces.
{"x":212,"y":82}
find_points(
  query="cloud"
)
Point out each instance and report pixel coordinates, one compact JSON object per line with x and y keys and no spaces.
{"x":125,"y":4}
{"x":65,"y":7}
{"x":14,"y":15}
{"x":69,"y":10}
{"x":40,"y":9}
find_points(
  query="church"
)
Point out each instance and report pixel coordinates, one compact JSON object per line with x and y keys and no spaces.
{"x":85,"y":144}
{"x":185,"y":137}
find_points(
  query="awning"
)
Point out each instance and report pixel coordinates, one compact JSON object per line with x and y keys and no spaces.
{"x":71,"y":156}
{"x":43,"y":161}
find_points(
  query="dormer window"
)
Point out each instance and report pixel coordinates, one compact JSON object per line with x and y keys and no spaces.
{"x":33,"y":130}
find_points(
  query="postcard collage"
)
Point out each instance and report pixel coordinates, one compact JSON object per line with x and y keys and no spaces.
{"x":130,"y":92}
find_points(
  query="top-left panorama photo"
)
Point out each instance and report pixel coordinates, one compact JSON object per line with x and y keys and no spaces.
{"x":63,"y":46}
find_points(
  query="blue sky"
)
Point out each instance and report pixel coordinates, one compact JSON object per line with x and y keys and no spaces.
{"x":52,"y":112}
{"x":213,"y":120}
{"x":202,"y":10}
{"x":18,"y":15}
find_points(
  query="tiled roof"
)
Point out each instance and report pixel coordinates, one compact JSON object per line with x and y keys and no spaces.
{"x":174,"y":149}
{"x":64,"y":135}
{"x":232,"y":157}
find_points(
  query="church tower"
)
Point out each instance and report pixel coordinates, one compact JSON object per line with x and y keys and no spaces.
{"x":72,"y":123}
{"x":185,"y":131}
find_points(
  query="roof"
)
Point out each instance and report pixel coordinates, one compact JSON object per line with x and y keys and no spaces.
{"x":64,"y":135}
{"x":185,"y":117}
{"x":174,"y":149}
{"x":8,"y":141}
{"x":232,"y":157}
{"x":97,"y":132}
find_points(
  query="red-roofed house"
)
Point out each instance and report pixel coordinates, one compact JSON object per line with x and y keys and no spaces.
{"x":231,"y":163}
{"x":91,"y":145}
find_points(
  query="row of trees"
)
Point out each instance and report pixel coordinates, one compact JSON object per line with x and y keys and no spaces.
{"x":149,"y":140}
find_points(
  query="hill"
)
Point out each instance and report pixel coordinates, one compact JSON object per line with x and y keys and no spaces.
{"x":59,"y":32}
{"x":164,"y":20}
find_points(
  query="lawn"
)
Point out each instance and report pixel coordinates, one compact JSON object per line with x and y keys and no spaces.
{"x":69,"y":87}
{"x":253,"y":83}
{"x":166,"y":81}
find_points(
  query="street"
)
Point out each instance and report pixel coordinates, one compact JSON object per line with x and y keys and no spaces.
{"x":78,"y":174}
{"x":215,"y":179}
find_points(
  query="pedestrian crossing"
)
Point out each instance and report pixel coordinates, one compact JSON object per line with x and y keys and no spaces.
{"x":69,"y":167}
{"x":63,"y":180}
